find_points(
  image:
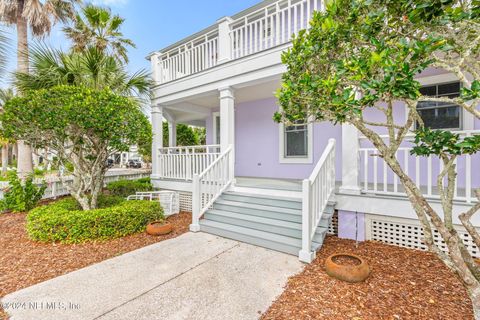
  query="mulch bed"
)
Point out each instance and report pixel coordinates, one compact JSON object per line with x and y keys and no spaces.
{"x":404,"y":284}
{"x":24,"y":262}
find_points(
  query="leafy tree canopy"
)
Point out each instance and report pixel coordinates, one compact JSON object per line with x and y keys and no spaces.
{"x":80,"y":125}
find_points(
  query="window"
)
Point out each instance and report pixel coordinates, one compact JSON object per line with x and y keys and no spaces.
{"x":440,"y":115}
{"x":216,"y":127}
{"x":296,"y":143}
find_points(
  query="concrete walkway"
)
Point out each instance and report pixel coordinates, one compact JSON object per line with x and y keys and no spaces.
{"x":193,"y":276}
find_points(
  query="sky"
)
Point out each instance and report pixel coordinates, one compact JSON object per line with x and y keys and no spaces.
{"x":151,"y":24}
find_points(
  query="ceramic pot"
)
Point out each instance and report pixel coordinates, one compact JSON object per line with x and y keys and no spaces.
{"x":158,"y":228}
{"x":357,"y":270}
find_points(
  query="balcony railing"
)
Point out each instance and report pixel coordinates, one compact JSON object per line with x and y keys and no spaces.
{"x":192,"y":57}
{"x":181,"y":163}
{"x":377,"y":178}
{"x":264,"y":28}
{"x":270,"y":26}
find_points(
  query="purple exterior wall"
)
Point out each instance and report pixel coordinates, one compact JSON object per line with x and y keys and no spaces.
{"x":351,"y":225}
{"x":257,"y":143}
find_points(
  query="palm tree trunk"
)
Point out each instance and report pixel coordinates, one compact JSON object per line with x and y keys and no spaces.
{"x":24,"y":157}
{"x":4,"y":158}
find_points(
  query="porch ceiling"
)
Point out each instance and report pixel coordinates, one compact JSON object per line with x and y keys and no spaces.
{"x":210,"y":100}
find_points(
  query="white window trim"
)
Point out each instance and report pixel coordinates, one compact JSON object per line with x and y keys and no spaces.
{"x":214,"y":116}
{"x":466,"y":118}
{"x":299,"y":160}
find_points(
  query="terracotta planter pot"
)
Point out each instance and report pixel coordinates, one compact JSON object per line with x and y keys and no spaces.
{"x":351,"y":272}
{"x":158,"y":228}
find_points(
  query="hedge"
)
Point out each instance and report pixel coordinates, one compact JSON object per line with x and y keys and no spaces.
{"x":124,"y":188}
{"x":63,"y":220}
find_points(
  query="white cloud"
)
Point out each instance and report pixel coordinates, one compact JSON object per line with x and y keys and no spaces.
{"x":112,"y":3}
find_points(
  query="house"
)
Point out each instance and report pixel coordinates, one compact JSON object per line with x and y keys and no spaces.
{"x":278,"y":186}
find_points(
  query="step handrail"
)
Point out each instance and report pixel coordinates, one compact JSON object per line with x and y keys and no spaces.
{"x":210,"y":184}
{"x":316,"y":192}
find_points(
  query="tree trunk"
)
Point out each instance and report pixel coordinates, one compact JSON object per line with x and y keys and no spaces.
{"x":474,"y":293}
{"x":4,"y":158}
{"x":24,"y":157}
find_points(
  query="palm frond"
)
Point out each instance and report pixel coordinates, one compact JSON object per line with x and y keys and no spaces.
{"x":91,"y":68}
{"x":99,"y":28}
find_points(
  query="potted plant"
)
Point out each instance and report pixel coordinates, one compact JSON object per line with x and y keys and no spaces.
{"x":158,"y":228}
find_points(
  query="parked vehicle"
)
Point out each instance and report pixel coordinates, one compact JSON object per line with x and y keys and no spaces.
{"x":110,"y":163}
{"x":136,"y":164}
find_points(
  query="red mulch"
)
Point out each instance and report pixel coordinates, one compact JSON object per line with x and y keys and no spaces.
{"x":404,"y":284}
{"x":24,"y":262}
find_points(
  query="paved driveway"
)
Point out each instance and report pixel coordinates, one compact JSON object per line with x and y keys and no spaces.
{"x":193,"y":276}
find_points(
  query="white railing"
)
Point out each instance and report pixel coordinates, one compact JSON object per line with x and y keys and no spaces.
{"x":317,"y":191}
{"x":55,"y":188}
{"x":377,"y":178}
{"x":267,"y":27}
{"x":181,"y":163}
{"x":192,"y":57}
{"x":271,"y":26}
{"x":210,"y":184}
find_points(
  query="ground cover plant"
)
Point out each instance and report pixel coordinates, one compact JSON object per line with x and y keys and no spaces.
{"x":65,"y":221}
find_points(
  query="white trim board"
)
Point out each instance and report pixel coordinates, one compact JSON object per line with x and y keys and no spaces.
{"x":281,"y":149}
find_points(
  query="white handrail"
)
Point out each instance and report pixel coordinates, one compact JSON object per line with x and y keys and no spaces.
{"x":210,"y":184}
{"x":181,"y":163}
{"x":317,"y":191}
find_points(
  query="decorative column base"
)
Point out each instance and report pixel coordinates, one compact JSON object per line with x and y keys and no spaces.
{"x":306,"y":256}
{"x":194,"y":227}
{"x":350,"y":190}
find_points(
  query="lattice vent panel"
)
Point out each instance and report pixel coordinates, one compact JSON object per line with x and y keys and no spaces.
{"x":185,"y":201}
{"x":333,"y":228}
{"x":409,"y":234}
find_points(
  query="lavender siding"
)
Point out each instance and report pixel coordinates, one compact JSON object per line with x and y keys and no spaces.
{"x":257,"y":143}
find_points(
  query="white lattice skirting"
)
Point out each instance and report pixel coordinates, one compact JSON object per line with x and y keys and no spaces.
{"x":408,"y":233}
{"x":185,"y":201}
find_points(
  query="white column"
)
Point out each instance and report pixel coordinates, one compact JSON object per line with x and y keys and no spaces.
{"x":227,"y":117}
{"x":224,"y":41}
{"x":350,"y":160}
{"x":172,"y":134}
{"x":154,"y":61}
{"x":157,"y":143}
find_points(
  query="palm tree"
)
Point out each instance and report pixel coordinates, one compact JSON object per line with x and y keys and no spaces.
{"x":5,"y":95}
{"x":3,"y":52}
{"x":38,"y":16}
{"x":92,"y":68}
{"x":100,"y":29}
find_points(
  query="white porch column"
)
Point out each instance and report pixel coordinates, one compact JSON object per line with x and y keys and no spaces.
{"x":154,"y":61}
{"x":224,"y":43}
{"x":157,"y":143}
{"x":172,"y":134}
{"x":227,"y":118}
{"x":350,"y":160}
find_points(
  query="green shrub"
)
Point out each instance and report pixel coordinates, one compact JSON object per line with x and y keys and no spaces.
{"x":21,"y":196}
{"x":145,"y":180}
{"x":39,"y":172}
{"x":124,"y":188}
{"x":63,"y":220}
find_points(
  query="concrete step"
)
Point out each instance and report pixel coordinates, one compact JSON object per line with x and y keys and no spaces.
{"x":256,"y":237}
{"x":286,"y":214}
{"x":266,"y":200}
{"x":287,"y":228}
{"x":265,"y":220}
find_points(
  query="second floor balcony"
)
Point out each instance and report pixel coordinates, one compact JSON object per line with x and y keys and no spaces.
{"x":265,"y":26}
